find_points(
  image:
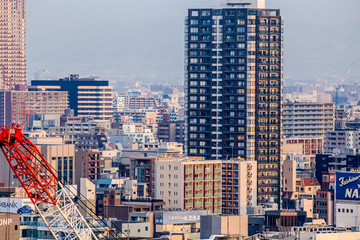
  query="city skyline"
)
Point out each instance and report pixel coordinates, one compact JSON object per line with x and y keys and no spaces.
{"x":314,"y":50}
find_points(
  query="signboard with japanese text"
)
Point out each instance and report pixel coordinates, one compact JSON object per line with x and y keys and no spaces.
{"x":181,"y":217}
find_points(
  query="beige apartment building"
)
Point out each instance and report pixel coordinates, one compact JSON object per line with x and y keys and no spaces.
{"x":307,"y":119}
{"x":12,"y":44}
{"x":189,"y":183}
{"x":239,"y":186}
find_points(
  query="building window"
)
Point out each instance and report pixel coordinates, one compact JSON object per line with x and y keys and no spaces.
{"x":194,"y":13}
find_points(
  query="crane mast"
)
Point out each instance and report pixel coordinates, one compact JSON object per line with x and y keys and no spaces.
{"x":51,"y":199}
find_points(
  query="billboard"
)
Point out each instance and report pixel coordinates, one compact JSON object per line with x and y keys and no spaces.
{"x":16,"y":205}
{"x":347,"y":186}
{"x":178,"y":217}
{"x":119,"y":102}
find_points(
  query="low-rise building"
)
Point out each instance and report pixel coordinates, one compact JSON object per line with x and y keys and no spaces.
{"x":324,"y":205}
{"x":303,"y":146}
{"x":284,"y":220}
{"x":115,"y":206}
{"x":229,"y":226}
{"x":10,"y":226}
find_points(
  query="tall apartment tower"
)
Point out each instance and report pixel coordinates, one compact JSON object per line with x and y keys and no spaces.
{"x":12,"y":44}
{"x":233,"y":85}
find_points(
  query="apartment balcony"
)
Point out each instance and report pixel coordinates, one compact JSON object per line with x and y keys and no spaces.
{"x":268,"y":177}
{"x":199,"y":187}
{"x":188,"y":205}
{"x":188,"y":195}
{"x":268,"y":169}
{"x":199,"y":170}
{"x":268,"y":192}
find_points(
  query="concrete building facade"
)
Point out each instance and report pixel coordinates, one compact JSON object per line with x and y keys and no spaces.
{"x":16,"y":106}
{"x":239,"y":186}
{"x":87,"y":97}
{"x":89,"y":165}
{"x":10,"y":226}
{"x":61,"y":157}
{"x":308,"y":120}
{"x":189,"y":183}
{"x":303,"y":146}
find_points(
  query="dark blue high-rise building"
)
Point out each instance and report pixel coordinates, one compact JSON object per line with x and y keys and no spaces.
{"x":233,"y":85}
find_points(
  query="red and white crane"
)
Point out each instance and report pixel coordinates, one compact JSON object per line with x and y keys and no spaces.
{"x":49,"y":196}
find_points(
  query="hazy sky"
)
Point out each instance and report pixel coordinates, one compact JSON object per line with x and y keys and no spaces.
{"x":128,"y":40}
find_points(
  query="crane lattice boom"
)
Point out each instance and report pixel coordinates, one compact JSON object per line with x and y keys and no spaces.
{"x":52,"y":201}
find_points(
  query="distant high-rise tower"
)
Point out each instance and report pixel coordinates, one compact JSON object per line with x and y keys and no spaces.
{"x":12,"y":44}
{"x":233,"y":87}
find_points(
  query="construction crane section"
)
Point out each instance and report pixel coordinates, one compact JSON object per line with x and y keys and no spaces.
{"x":49,"y":196}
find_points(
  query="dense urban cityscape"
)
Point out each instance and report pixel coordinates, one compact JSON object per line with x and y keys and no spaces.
{"x":235,"y":152}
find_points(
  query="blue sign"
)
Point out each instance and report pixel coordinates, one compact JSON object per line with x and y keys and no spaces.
{"x":159,"y":218}
{"x":347,"y":186}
